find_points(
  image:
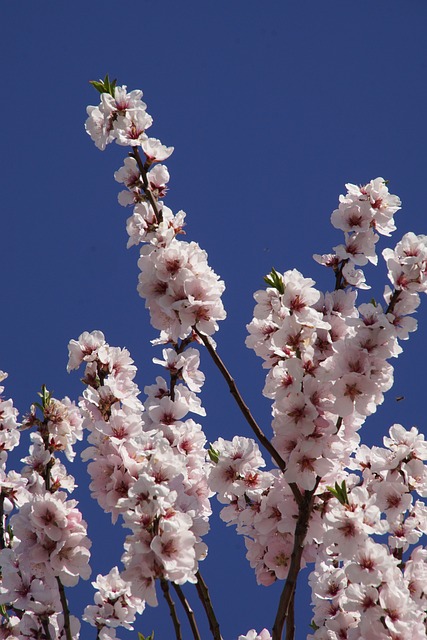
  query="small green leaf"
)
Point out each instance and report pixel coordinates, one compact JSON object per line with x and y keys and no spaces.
{"x":213,"y":455}
{"x":45,"y":396}
{"x":99,"y":86}
{"x":374,"y":302}
{"x":3,"y":611}
{"x":275,"y":281}
{"x":9,"y":531}
{"x":142,"y":637}
{"x":340,"y":492}
{"x":104,"y":86}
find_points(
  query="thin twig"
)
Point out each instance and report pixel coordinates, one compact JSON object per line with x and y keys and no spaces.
{"x":205,"y":599}
{"x":188,"y":611}
{"x":172,"y":610}
{"x":65,"y":609}
{"x":246,"y":412}
{"x":241,"y":403}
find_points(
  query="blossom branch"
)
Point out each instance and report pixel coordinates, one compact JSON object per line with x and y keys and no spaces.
{"x":188,"y":610}
{"x":206,"y":601}
{"x":172,"y":610}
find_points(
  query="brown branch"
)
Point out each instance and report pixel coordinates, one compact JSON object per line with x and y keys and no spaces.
{"x":65,"y":609}
{"x":290,"y":622}
{"x":205,"y":599}
{"x":149,"y":194}
{"x":301,"y":528}
{"x":172,"y":610}
{"x":188,"y":611}
{"x":246,"y":412}
{"x":241,"y":403}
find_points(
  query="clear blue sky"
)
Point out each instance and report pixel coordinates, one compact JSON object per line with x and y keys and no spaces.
{"x":271,"y":106}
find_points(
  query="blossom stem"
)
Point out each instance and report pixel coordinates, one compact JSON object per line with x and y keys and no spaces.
{"x":65,"y":609}
{"x":188,"y":611}
{"x":2,"y":542}
{"x":290,"y":622}
{"x":172,"y":609}
{"x":393,"y":300}
{"x":179,"y":348}
{"x":206,"y":601}
{"x":157,"y":212}
{"x":45,"y":625}
{"x":339,"y":280}
{"x":285,"y":607}
{"x":246,"y":412}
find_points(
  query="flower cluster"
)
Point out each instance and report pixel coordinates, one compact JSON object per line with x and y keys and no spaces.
{"x":9,"y":434}
{"x":147,"y":464}
{"x":327,"y":358}
{"x":253,"y":635}
{"x":354,"y":513}
{"x":115,"y":606}
{"x":328,"y":370}
{"x":156,"y":469}
{"x":122,"y":117}
{"x":43,"y":536}
{"x":180,"y":288}
{"x":363,"y":588}
{"x":407,"y":264}
{"x":259,"y":503}
{"x":363,"y":213}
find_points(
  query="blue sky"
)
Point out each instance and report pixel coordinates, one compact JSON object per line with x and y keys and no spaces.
{"x":271,"y":106}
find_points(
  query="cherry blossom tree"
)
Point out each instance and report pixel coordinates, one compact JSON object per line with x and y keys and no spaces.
{"x":309,"y":495}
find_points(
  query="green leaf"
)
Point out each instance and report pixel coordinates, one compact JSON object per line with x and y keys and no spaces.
{"x":142,"y":637}
{"x":9,"y":531}
{"x":104,"y":86}
{"x":99,"y":86}
{"x":340,"y":492}
{"x":275,"y":281}
{"x":213,"y":455}
{"x":45,"y":396}
{"x":3,"y":611}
